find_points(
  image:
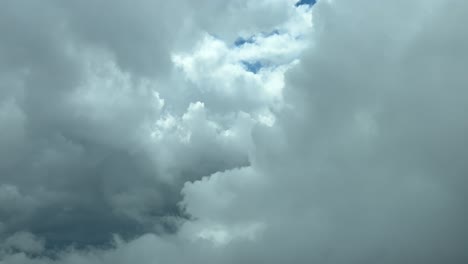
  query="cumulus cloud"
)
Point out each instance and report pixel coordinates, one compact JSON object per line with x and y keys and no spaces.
{"x":346,"y":145}
{"x":24,"y":242}
{"x":81,"y":100}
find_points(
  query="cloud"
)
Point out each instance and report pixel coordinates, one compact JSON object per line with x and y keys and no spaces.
{"x":82,"y":96}
{"x":365,"y":166}
{"x":24,"y":242}
{"x":347,"y":148}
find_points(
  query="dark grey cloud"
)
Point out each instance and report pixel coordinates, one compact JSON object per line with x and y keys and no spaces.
{"x":79,"y":99}
{"x":365,"y":162}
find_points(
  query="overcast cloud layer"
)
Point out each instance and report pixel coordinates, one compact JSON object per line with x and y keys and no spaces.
{"x":233,"y":132}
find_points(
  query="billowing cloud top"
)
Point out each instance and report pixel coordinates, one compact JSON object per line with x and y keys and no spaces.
{"x":272,"y":131}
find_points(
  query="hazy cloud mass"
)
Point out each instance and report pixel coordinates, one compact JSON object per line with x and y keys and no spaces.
{"x":235,"y":131}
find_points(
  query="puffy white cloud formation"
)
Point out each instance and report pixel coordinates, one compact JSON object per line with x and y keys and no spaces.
{"x":351,"y":151}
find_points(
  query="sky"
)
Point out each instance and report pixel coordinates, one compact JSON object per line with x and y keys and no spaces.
{"x":236,"y":131}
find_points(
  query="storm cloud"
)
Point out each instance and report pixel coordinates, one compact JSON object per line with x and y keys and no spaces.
{"x":140,"y":133}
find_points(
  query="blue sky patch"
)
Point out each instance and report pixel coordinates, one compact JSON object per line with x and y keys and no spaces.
{"x":252,"y":67}
{"x":306,"y":2}
{"x":241,"y":41}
